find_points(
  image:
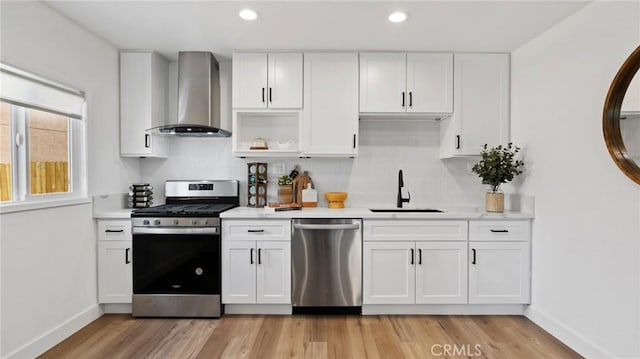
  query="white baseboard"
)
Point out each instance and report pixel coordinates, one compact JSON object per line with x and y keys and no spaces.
{"x":116,"y":308}
{"x":277,"y":309}
{"x":443,"y":309}
{"x":54,"y":336}
{"x":564,"y":334}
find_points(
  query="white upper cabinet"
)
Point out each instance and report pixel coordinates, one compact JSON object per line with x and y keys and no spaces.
{"x":267,"y":80}
{"x":481,"y":105}
{"x":406,"y":83}
{"x":383,"y":80}
{"x":144,"y":78}
{"x":330,"y":116}
{"x":631,"y":101}
{"x":430,"y":83}
{"x":249,"y":80}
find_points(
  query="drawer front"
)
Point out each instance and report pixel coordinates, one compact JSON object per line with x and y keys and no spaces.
{"x":482,"y":231}
{"x":415,"y":230}
{"x":256,"y":230}
{"x":114,"y":230}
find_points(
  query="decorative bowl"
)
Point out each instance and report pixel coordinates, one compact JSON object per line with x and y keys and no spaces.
{"x":335,"y":199}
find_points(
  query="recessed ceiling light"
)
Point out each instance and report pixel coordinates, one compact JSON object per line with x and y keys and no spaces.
{"x":398,"y":16}
{"x":248,"y":14}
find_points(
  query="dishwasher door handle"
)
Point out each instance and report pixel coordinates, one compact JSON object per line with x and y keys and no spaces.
{"x":326,"y":226}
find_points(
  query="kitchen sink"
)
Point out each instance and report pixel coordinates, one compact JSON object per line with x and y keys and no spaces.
{"x":406,"y":210}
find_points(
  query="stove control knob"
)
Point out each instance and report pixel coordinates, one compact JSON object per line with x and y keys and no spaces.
{"x":194,"y":222}
{"x":176,"y":222}
{"x":145,"y":222}
{"x":156,"y":222}
{"x":205,"y":222}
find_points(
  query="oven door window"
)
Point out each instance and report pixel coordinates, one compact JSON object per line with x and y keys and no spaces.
{"x":176,"y":264}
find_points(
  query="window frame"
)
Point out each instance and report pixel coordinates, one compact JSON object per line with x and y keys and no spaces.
{"x":21,"y":198}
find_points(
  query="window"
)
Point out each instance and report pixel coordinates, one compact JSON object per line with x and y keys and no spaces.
{"x":42,"y":133}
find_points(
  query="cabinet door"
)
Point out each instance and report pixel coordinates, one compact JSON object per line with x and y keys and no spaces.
{"x":274,"y":272}
{"x":481,"y":110}
{"x":143,"y":94}
{"x":249,"y":80}
{"x":330,"y":125}
{"x":499,"y":272}
{"x":388,"y":273}
{"x":430,"y":82}
{"x":285,"y":80}
{"x":383,"y":78}
{"x":115,"y":277}
{"x":239,"y":260}
{"x":441,"y":272}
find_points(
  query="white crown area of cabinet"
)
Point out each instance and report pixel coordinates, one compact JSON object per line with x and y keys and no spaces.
{"x":309,"y":104}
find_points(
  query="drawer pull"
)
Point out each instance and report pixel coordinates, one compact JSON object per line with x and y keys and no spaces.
{"x":114,"y":231}
{"x":255,"y":230}
{"x":499,"y":231}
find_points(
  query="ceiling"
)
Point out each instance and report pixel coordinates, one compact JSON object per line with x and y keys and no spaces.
{"x":446,"y":25}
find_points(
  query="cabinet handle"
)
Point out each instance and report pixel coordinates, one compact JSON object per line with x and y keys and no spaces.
{"x":420,"y":256}
{"x":457,"y":142}
{"x":255,"y":230}
{"x":410,"y":98}
{"x":412,"y":256}
{"x":263,"y":94}
{"x":251,"y":256}
{"x":126,"y":256}
{"x":473,"y":256}
{"x":114,"y":231}
{"x":259,"y":255}
{"x":270,"y":95}
{"x":500,"y":231}
{"x":403,"y":99}
{"x":354,"y":140}
{"x":147,"y":140}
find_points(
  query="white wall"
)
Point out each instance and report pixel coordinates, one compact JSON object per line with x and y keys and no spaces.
{"x":48,"y":259}
{"x":371,"y":179}
{"x":586,"y":235}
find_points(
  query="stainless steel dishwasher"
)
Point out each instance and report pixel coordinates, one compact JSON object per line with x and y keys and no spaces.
{"x":326,"y":271}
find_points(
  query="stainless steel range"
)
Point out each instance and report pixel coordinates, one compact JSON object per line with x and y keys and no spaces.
{"x":176,"y":250}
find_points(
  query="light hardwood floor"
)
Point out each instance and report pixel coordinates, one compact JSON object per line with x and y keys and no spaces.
{"x":252,"y":336}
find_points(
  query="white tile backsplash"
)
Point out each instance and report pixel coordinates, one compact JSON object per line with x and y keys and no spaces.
{"x":385,"y":146}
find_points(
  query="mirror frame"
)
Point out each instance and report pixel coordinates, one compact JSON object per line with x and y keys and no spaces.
{"x":611,"y":117}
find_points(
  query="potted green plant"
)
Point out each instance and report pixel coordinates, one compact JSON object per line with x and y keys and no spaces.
{"x":285,"y":189}
{"x":497,"y":165}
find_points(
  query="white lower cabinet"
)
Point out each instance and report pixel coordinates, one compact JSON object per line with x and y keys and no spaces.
{"x":256,"y":262}
{"x":499,"y":262}
{"x":499,"y":272}
{"x":431,"y":268}
{"x":441,"y":273}
{"x":415,"y":273}
{"x":388,"y":275}
{"x":115,"y":277}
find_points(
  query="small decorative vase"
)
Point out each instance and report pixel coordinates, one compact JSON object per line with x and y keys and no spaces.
{"x":285,"y":194}
{"x":495,"y":202}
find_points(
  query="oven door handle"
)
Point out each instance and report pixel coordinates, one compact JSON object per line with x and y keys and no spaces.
{"x":182,"y":230}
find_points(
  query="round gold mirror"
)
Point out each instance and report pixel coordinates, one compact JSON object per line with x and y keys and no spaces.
{"x":621,"y":117}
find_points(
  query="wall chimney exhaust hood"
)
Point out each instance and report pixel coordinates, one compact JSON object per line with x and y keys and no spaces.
{"x":198,"y":98}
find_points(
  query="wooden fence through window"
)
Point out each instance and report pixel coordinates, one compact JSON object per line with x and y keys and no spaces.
{"x":45,"y":177}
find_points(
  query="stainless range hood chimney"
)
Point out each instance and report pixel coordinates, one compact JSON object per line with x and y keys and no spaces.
{"x":198,"y":97}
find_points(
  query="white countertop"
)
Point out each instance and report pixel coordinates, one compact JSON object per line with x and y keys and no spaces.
{"x":111,"y":206}
{"x":365,"y":213}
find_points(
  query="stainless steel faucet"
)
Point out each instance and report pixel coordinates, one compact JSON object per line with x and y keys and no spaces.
{"x":401,"y":199}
